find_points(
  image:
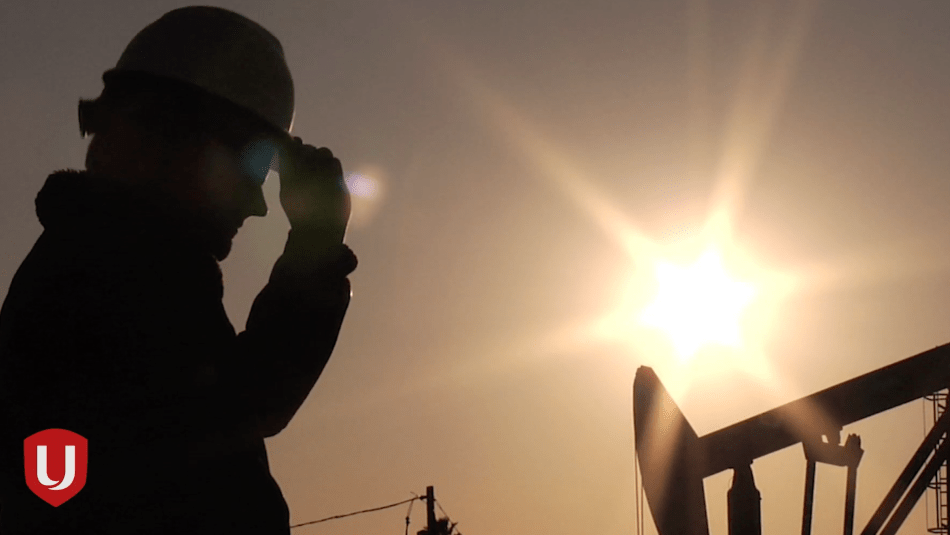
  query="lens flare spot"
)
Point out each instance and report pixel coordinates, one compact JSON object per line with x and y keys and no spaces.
{"x":361,"y":185}
{"x":367,"y":186}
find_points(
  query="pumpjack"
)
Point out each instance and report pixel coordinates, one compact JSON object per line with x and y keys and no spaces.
{"x":674,"y":460}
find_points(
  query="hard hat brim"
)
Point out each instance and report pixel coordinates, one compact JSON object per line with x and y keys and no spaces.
{"x":221,"y":111}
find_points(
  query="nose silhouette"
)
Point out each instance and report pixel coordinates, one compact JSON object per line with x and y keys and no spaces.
{"x":256,"y":204}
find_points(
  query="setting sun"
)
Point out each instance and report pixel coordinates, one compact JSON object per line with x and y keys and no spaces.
{"x":698,"y":305}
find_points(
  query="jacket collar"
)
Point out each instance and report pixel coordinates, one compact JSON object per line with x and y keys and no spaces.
{"x":87,"y":208}
{"x":77,"y":201}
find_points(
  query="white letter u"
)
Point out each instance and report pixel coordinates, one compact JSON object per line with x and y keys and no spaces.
{"x":70,"y":468}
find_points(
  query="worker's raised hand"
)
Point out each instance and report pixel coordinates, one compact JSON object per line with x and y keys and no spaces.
{"x":312,"y":191}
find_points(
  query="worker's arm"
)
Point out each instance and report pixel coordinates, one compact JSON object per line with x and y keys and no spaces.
{"x":291,"y":330}
{"x":256,"y":384}
{"x":295,"y":320}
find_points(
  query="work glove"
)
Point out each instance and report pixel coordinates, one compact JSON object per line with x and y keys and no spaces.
{"x":312,"y":191}
{"x":315,"y":198}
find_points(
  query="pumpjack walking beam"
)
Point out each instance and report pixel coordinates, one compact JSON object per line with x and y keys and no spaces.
{"x":674,"y":460}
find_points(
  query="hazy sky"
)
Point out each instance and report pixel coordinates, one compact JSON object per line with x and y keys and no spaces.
{"x":519,"y":148}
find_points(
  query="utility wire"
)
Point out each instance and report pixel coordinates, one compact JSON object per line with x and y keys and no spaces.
{"x":637,"y":486}
{"x":446,"y":515}
{"x":409,"y":512}
{"x":636,"y":494}
{"x":374,"y":509}
{"x":923,"y":418}
{"x":642,"y":502}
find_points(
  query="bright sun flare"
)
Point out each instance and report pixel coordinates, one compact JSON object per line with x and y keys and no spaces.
{"x":698,"y":305}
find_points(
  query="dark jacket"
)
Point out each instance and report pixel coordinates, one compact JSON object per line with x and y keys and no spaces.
{"x":114,"y":328}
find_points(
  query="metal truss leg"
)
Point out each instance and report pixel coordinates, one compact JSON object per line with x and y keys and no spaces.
{"x":809,"y":497}
{"x":904,"y":479}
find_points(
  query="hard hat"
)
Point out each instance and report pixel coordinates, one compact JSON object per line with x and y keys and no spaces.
{"x":221,"y":52}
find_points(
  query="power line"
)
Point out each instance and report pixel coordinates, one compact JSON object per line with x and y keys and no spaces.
{"x":639,"y":490}
{"x":374,"y":509}
{"x":446,"y":515}
{"x":638,"y":498}
{"x":441,"y":509}
{"x":409,"y":512}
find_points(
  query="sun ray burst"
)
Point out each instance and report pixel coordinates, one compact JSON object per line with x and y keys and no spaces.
{"x":761,"y":89}
{"x":698,"y":304}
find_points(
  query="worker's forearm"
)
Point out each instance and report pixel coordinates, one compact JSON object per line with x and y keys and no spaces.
{"x":292,"y":329}
{"x":284,"y":352}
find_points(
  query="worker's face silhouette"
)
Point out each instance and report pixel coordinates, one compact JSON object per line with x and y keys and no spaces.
{"x":203,"y":157}
{"x":226,"y":188}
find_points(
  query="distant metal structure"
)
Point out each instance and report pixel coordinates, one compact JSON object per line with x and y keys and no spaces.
{"x":938,"y":522}
{"x":674,"y":460}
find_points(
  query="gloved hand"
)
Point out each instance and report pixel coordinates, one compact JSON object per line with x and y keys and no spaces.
{"x":313,"y":193}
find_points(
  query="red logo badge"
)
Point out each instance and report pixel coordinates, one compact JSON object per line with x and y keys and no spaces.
{"x":55,"y":461}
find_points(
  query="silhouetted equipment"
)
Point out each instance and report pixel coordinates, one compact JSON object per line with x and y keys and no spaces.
{"x":434,"y":526}
{"x":743,"y":499}
{"x":430,"y":511}
{"x":939,"y":522}
{"x":848,"y":455}
{"x":674,"y":460}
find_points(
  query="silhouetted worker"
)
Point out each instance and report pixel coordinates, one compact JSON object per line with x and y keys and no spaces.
{"x":114,"y":327}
